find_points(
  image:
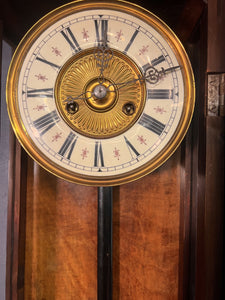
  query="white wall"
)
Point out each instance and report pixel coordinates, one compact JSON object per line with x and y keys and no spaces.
{"x":4,"y":159}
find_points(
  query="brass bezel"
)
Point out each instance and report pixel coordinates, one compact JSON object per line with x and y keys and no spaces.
{"x":12,"y":84}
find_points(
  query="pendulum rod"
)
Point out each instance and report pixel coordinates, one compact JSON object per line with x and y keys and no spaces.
{"x":105,"y":205}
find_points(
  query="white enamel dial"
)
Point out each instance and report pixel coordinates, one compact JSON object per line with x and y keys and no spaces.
{"x":138,"y":38}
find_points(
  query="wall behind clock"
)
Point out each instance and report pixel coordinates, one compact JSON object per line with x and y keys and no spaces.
{"x":6,"y":52}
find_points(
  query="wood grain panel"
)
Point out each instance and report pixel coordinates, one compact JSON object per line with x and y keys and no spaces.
{"x":146,"y":235}
{"x":61,"y":238}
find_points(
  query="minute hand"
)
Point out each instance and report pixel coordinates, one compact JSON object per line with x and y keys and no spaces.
{"x":171,"y":69}
{"x":152,"y":75}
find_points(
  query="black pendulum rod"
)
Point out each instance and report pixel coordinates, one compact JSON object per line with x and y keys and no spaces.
{"x":105,"y":278}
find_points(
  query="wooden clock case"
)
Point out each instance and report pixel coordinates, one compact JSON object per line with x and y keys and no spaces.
{"x":168,"y":227}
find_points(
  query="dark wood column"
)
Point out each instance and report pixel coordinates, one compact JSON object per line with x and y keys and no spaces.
{"x":215,"y":154}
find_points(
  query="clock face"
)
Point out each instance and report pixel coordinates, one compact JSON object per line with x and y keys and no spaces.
{"x":100,"y":93}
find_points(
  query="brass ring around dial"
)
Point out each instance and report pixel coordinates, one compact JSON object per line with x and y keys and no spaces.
{"x":99,"y":104}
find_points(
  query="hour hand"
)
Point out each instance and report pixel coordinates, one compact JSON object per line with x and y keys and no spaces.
{"x":102,"y":53}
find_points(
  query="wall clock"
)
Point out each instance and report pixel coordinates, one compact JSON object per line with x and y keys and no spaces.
{"x":100,"y":93}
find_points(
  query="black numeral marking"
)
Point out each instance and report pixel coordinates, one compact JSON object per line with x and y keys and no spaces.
{"x":145,"y":67}
{"x":157,"y":60}
{"x":154,"y":62}
{"x":131,"y":41}
{"x":131,"y":148}
{"x":101,"y":29}
{"x":160,"y":94}
{"x":68,"y":145}
{"x":43,"y":124}
{"x":151,"y":124}
{"x":40,"y":93}
{"x":98,"y":159}
{"x":71,"y":40}
{"x":47,"y":62}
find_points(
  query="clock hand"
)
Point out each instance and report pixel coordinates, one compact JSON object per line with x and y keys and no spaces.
{"x":171,"y":69}
{"x":79,"y":97}
{"x":123,"y":84}
{"x":103,"y":54}
{"x":152,"y":75}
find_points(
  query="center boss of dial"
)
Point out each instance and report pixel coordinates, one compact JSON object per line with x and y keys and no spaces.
{"x":101,"y":97}
{"x":100,"y":91}
{"x":100,"y":108}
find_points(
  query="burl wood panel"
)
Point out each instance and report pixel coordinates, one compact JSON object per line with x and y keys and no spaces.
{"x":146,"y":235}
{"x":61,"y":237}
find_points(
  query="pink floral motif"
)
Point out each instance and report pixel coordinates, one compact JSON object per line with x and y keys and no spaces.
{"x":85,"y":34}
{"x":56,"y":137}
{"x":84,"y":153}
{"x":40,"y":107}
{"x":160,"y":110}
{"x":56,"y":51}
{"x":119,"y":35}
{"x":116,"y":153}
{"x":41,"y":77}
{"x":141,"y":139}
{"x":143,"y":50}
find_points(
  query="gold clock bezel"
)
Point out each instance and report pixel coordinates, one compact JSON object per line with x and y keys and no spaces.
{"x":12,"y":84}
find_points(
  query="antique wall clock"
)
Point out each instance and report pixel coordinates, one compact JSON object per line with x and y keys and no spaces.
{"x":100,"y":93}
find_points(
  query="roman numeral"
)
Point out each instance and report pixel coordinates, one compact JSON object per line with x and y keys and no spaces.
{"x":101,"y":29}
{"x":160,"y":94}
{"x":71,"y":40}
{"x":43,"y":124}
{"x":154,"y":62}
{"x":68,"y":145}
{"x":40,"y":93}
{"x":151,"y":124}
{"x":98,"y":159}
{"x":47,"y":62}
{"x":131,"y":148}
{"x":157,"y":60}
{"x":146,"y":67}
{"x":131,"y":41}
